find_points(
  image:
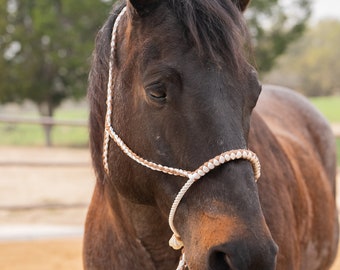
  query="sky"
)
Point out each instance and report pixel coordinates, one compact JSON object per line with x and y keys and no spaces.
{"x":325,"y":9}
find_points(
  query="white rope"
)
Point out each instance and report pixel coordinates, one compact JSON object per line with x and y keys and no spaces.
{"x":175,"y":241}
{"x":182,"y":263}
{"x":144,"y":162}
{"x":110,"y":90}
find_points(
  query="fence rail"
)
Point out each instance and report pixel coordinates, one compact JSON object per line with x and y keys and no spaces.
{"x":49,"y":121}
{"x":46,"y":164}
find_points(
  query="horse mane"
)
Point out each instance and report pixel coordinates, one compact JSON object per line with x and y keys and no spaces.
{"x":217,"y":30}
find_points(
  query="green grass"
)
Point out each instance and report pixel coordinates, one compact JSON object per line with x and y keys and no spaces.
{"x":33,"y":135}
{"x":71,"y":114}
{"x":329,"y":107}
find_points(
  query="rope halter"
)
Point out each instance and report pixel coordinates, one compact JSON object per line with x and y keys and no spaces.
{"x":175,"y":242}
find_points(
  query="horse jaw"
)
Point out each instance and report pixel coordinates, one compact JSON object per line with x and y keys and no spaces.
{"x":112,"y":242}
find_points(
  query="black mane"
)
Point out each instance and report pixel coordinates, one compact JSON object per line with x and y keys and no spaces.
{"x":215,"y":27}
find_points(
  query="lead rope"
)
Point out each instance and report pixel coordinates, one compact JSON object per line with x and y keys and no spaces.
{"x":175,"y":242}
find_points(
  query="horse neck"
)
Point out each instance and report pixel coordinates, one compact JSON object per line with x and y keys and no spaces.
{"x":148,"y":227}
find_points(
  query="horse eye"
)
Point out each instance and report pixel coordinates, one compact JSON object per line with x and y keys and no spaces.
{"x":157,"y":92}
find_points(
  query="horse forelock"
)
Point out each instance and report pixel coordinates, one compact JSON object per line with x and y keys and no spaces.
{"x":216,"y":28}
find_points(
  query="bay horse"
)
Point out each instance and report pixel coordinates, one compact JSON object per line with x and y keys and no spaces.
{"x":171,"y":87}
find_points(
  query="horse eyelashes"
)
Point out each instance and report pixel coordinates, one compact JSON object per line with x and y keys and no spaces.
{"x":157,"y":92}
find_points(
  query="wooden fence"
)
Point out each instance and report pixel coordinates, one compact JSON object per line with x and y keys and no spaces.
{"x":46,"y":122}
{"x":336,"y":130}
{"x":49,"y":121}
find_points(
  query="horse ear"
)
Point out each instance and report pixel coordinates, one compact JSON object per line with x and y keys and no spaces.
{"x":144,"y":7}
{"x":241,"y":4}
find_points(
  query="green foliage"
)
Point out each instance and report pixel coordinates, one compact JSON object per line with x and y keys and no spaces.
{"x":330,"y":108}
{"x":46,"y":46}
{"x":312,"y":64}
{"x":274,"y":24}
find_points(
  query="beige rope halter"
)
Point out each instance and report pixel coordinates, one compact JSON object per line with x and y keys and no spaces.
{"x":175,"y":241}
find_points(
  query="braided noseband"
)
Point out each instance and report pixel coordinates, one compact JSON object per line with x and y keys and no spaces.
{"x":175,"y":241}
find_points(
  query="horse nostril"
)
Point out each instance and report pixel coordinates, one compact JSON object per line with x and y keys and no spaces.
{"x":241,"y":255}
{"x":219,"y":261}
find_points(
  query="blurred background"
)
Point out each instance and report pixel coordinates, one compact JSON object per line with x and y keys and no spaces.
{"x":46,"y":178}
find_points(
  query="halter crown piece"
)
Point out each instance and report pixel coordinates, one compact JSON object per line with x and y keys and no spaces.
{"x":175,"y":242}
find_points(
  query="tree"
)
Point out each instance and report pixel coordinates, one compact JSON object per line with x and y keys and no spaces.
{"x":274,"y":24}
{"x":312,"y":65}
{"x":46,"y":46}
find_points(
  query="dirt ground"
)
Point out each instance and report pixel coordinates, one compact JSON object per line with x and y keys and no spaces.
{"x":53,"y":194}
{"x":31,"y":179}
{"x":41,"y":255}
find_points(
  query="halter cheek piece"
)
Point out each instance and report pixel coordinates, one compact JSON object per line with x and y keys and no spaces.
{"x":175,"y":241}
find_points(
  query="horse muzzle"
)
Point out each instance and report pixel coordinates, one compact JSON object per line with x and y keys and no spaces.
{"x":226,"y":243}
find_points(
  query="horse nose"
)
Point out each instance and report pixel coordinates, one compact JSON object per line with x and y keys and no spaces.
{"x":243,"y":255}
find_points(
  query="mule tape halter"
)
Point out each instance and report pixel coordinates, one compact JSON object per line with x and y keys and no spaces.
{"x":175,"y":241}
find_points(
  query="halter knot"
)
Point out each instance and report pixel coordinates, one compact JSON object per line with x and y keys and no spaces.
{"x":175,"y":242}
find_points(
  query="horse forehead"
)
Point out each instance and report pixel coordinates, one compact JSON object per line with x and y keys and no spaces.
{"x":174,"y":52}
{"x":163,"y":43}
{"x":149,"y":52}
{"x":163,"y":36}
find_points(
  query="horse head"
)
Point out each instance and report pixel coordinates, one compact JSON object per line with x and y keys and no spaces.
{"x":183,"y":92}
